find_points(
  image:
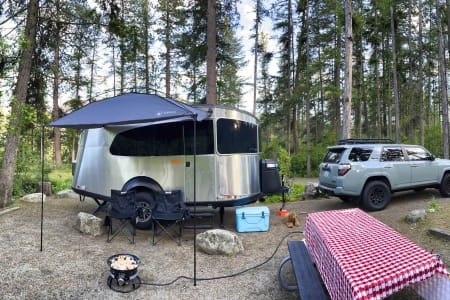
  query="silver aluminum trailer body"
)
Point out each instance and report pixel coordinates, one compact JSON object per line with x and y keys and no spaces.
{"x":159,"y":157}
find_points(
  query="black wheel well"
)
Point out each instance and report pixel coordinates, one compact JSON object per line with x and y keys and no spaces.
{"x":443,"y":175}
{"x":142,"y":183}
{"x":377,"y":178}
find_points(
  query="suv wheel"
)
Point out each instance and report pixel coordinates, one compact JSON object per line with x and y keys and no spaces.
{"x":444,"y":189}
{"x":376,"y":195}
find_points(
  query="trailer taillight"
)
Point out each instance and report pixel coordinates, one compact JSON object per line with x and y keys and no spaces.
{"x":343,"y":169}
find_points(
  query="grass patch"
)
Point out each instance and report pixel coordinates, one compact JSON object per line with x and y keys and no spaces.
{"x":61,"y":178}
{"x":296,"y":193}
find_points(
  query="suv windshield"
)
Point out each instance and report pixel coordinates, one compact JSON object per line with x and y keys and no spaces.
{"x":334,"y":155}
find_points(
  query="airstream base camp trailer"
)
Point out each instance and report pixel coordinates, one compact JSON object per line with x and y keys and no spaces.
{"x":159,"y":157}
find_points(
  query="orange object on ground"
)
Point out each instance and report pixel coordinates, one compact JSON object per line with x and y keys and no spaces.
{"x":283,"y":212}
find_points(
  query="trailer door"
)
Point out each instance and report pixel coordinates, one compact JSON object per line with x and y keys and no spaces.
{"x":205,"y":162}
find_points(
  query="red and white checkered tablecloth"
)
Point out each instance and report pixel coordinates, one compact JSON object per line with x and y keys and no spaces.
{"x":359,"y":257}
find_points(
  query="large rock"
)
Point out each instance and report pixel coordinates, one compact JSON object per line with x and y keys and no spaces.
{"x":89,"y":224}
{"x":219,"y":242}
{"x":310,"y":191}
{"x":33,"y":198}
{"x":416,"y":215}
{"x":67,"y":194}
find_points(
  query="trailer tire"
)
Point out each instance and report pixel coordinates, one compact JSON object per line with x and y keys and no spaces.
{"x":144,"y":205}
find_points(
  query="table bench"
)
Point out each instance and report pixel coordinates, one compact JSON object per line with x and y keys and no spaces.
{"x":309,"y":283}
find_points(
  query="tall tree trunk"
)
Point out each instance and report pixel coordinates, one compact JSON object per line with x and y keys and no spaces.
{"x":255,"y":67}
{"x":420,"y":71}
{"x":347,"y":103}
{"x":91,"y":83}
{"x":448,"y":27}
{"x":442,"y":81}
{"x":394,"y":74}
{"x":168,"y":50}
{"x":146,"y":46}
{"x":56,"y":73}
{"x":211,"y":72}
{"x":411,"y":104}
{"x":378,"y":97}
{"x":20,"y":93}
{"x":337,"y":76}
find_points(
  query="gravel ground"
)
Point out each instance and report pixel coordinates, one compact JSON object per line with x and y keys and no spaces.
{"x":73,"y":265}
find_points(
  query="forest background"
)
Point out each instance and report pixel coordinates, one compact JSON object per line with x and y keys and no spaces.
{"x":363,"y":68}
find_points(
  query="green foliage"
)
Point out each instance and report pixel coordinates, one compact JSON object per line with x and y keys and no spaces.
{"x":277,"y":152}
{"x":296,"y":194}
{"x":61,"y":178}
{"x":433,"y":140}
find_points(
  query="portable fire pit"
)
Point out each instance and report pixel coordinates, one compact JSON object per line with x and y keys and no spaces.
{"x":123,"y":275}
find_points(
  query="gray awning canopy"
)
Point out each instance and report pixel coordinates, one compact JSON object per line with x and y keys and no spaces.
{"x":128,"y":109}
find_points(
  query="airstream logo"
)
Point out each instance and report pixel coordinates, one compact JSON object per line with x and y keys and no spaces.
{"x":166,"y":113}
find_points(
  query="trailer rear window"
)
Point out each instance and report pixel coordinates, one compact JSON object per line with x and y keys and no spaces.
{"x":235,"y":136}
{"x":164,"y":140}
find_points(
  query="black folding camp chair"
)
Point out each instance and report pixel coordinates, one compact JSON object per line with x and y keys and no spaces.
{"x":168,"y":216}
{"x":121,"y":207}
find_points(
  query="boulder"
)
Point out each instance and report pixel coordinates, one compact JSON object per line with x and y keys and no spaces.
{"x":33,"y":198}
{"x":46,"y":185}
{"x":67,"y":194}
{"x":219,"y":242}
{"x":416,"y":215}
{"x":89,"y":224}
{"x":310,"y":191}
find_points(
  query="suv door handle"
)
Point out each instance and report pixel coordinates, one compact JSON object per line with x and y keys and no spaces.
{"x":388,"y":166}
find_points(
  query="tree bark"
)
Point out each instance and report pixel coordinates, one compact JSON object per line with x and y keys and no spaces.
{"x":347,"y":104}
{"x":168,"y":49}
{"x":20,"y":93}
{"x":337,"y":76}
{"x":255,"y":67}
{"x":146,"y":46}
{"x":442,"y":82}
{"x":211,"y":72}
{"x":394,"y":74}
{"x":420,"y":71}
{"x":55,"y":110}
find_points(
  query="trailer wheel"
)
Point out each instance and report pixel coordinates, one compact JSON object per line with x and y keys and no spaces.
{"x":144,"y":205}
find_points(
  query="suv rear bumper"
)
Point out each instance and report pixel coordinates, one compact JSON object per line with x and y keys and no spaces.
{"x":335,"y":191}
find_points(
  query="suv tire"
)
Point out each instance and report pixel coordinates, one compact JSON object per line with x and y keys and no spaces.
{"x":376,"y":195}
{"x":444,"y":189}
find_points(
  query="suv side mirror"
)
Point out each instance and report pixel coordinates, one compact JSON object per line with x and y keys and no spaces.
{"x":431,"y":157}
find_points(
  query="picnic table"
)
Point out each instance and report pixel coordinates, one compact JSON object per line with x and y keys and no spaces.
{"x":359,"y":257}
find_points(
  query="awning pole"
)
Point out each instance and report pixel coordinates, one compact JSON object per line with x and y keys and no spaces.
{"x":42,"y":184}
{"x":195,"y":200}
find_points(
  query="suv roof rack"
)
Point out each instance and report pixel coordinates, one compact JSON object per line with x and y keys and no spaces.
{"x":365,"y":141}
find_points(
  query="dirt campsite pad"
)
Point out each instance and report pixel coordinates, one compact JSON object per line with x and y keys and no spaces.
{"x":73,"y":265}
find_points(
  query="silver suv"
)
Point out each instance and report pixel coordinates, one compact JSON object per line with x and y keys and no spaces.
{"x":367,"y":171}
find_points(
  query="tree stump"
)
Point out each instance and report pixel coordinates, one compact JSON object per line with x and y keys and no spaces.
{"x":47,"y":187}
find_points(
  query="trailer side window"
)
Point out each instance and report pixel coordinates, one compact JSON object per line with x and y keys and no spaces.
{"x":235,"y":136}
{"x":164,"y":140}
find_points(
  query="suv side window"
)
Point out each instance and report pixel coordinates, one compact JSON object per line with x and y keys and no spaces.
{"x":360,"y":154}
{"x":334,"y":155}
{"x":392,"y":153}
{"x":417,"y":153}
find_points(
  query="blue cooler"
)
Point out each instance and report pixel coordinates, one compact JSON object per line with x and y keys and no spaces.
{"x":252,"y":219}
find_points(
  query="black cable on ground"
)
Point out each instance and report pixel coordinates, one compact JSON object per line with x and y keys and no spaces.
{"x":225,"y":276}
